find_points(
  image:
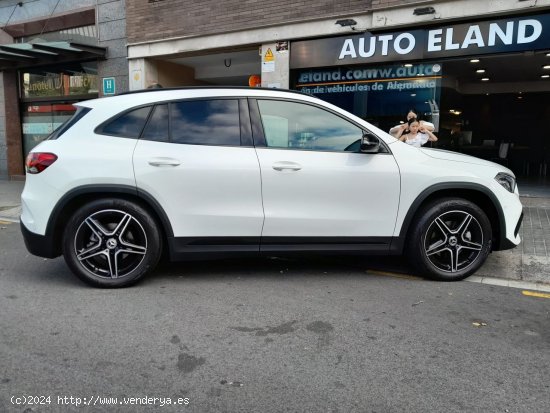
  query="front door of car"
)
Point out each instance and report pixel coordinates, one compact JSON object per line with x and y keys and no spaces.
{"x":191,"y":160}
{"x":318,"y":189}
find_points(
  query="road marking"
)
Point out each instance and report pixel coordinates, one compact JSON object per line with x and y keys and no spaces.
{"x":2,"y":222}
{"x":535,"y":294}
{"x":6,"y":220}
{"x":394,"y":275}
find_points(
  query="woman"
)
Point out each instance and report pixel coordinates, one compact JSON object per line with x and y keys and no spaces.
{"x":401,"y":129}
{"x":418,"y":134}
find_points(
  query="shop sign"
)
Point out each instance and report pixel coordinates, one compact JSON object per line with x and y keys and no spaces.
{"x":268,"y":64}
{"x":57,"y":84}
{"x":109,"y":86}
{"x":505,"y":35}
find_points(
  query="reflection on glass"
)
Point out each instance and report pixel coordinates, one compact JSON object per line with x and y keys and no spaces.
{"x":72,"y":80}
{"x":206,"y":122}
{"x":41,"y":119}
{"x":296,"y":125}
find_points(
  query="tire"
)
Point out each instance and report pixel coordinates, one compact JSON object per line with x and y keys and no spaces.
{"x":111,"y":243}
{"x":450,"y":239}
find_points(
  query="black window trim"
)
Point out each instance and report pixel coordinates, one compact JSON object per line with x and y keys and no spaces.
{"x":259,"y":135}
{"x":149,"y":117}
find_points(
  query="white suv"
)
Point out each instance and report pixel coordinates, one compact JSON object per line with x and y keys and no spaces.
{"x":217,"y":171}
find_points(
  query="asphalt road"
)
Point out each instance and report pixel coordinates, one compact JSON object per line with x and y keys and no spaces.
{"x":266,"y":335}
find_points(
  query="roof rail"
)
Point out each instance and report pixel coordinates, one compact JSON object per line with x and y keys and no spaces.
{"x":160,"y":89}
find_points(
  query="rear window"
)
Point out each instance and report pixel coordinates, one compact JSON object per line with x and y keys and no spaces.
{"x":127,"y":125}
{"x":79,"y":114}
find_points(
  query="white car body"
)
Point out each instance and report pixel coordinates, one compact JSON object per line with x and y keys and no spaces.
{"x":266,"y":196}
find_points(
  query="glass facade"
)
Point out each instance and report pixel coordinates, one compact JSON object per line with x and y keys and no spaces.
{"x":47,"y":95}
{"x":380,"y":94}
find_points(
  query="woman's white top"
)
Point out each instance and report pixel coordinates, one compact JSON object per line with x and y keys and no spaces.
{"x":419,"y":140}
{"x":395,"y":129}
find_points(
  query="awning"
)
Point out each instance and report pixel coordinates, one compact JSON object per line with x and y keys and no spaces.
{"x":23,"y":55}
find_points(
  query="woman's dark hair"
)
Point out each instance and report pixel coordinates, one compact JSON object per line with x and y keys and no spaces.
{"x":413,"y":110}
{"x":411,"y":120}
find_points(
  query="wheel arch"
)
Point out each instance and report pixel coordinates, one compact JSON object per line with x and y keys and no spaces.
{"x":77,"y":197}
{"x":478,"y":194}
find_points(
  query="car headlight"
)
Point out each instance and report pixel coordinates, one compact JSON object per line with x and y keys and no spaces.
{"x":507,"y":181}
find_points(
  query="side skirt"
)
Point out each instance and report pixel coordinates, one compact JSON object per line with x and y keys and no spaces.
{"x":188,"y":248}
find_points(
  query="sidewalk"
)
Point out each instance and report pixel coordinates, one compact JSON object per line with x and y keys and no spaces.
{"x":10,"y":199}
{"x":530,"y":261}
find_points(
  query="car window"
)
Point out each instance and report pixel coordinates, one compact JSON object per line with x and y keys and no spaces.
{"x":206,"y":122}
{"x":300,"y":126}
{"x":128,"y":125}
{"x":157,"y":127}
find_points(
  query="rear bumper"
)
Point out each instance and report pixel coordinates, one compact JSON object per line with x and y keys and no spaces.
{"x":40,"y":245}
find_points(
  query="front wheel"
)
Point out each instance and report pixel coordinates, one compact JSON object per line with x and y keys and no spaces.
{"x":111,"y":243}
{"x":450,"y":240}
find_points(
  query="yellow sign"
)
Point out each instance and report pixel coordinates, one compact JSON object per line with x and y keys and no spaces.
{"x":269,"y":56}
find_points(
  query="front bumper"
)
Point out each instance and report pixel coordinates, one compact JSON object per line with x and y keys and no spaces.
{"x":40,"y":245}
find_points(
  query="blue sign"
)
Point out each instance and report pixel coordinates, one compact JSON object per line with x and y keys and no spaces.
{"x":513,"y":34}
{"x":109,"y":86}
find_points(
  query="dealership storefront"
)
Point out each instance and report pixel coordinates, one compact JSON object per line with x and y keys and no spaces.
{"x":483,"y":81}
{"x":483,"y":84}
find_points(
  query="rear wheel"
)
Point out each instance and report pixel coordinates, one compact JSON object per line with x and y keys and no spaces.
{"x":111,"y":243}
{"x":450,"y":240}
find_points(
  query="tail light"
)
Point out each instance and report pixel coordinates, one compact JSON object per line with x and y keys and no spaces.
{"x":38,"y":161}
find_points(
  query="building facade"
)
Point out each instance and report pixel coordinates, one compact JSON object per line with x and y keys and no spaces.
{"x":53,"y":54}
{"x":478,"y":70}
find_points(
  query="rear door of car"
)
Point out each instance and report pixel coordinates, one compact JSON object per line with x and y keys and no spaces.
{"x":196,"y":159}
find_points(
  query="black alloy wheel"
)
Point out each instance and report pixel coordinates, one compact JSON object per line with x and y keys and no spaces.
{"x":450,"y":240}
{"x":111,"y":243}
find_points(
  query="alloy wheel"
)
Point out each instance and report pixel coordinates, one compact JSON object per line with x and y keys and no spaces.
{"x":110,"y":243}
{"x":453,"y":241}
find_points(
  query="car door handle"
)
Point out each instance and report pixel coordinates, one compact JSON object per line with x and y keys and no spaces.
{"x":163,"y":162}
{"x":286,"y":166}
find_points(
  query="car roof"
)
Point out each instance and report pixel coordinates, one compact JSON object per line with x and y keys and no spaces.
{"x":146,"y":96}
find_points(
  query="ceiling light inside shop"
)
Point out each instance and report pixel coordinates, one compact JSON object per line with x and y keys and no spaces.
{"x":413,"y":94}
{"x":545,"y":76}
{"x":480,"y":71}
{"x":408,"y":65}
{"x":420,"y":74}
{"x":485,"y":79}
{"x":546,"y":67}
{"x":474,"y":61}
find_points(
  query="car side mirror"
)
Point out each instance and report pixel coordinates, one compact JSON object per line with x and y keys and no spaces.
{"x":370,"y":143}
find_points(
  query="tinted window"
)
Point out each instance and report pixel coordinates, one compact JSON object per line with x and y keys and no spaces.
{"x":128,"y":125}
{"x":301,"y":126}
{"x":206,"y":122}
{"x":157,"y":127}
